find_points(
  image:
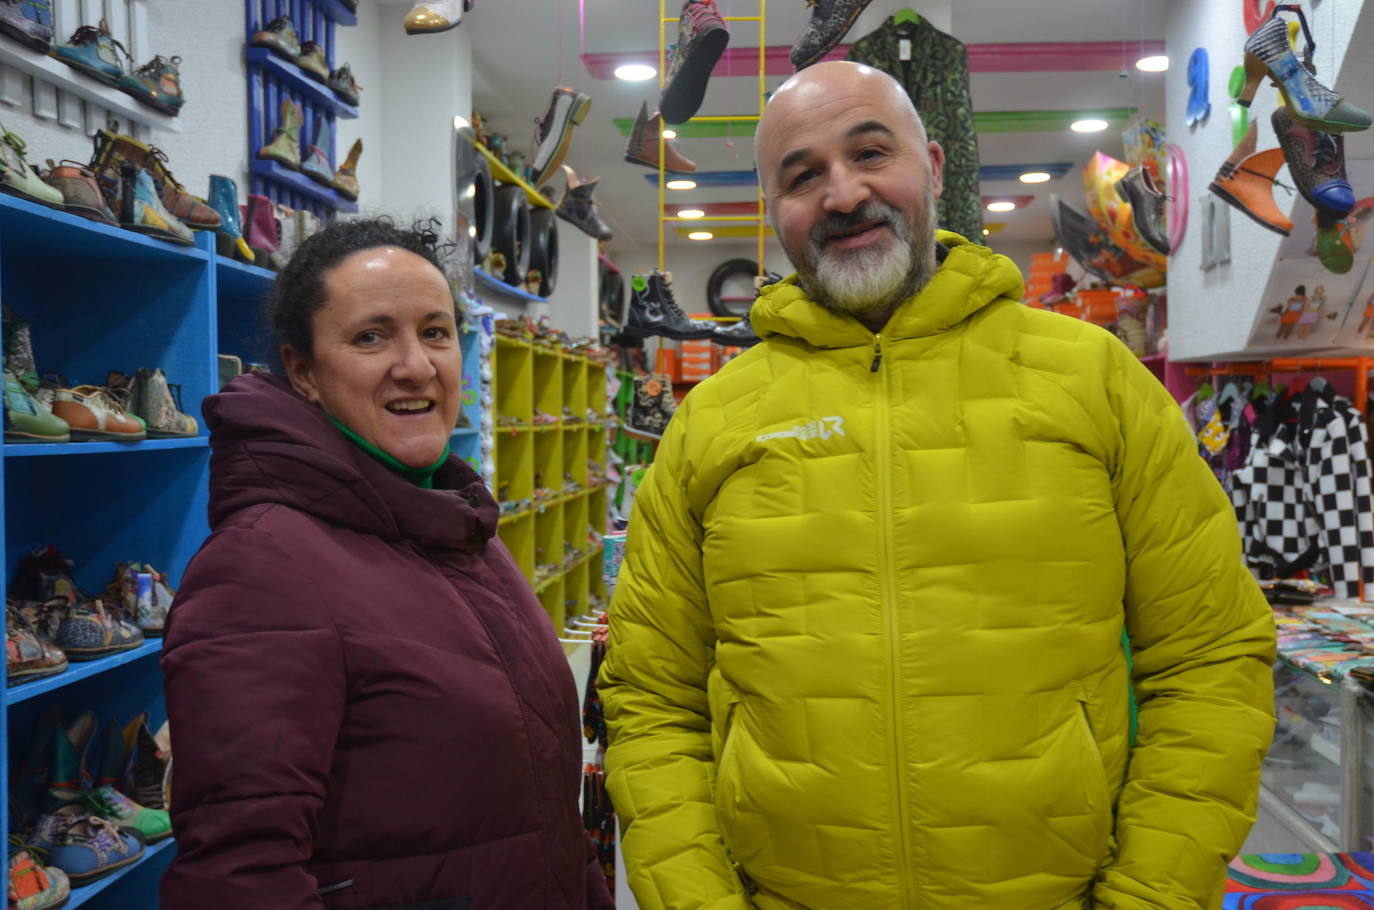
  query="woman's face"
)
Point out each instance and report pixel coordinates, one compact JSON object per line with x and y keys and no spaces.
{"x":386,"y":361}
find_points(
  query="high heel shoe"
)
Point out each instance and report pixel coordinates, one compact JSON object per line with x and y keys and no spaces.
{"x":1316,"y":160}
{"x":1246,"y":181}
{"x":1269,"y":52}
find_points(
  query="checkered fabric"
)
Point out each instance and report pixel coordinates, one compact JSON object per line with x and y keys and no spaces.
{"x":1275,"y":510}
{"x":1338,"y":473}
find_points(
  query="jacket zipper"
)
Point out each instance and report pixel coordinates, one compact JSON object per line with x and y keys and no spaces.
{"x":889,"y":583}
{"x":334,"y":888}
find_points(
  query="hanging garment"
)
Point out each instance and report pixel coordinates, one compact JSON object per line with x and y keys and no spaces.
{"x":1339,"y":476}
{"x":1274,"y":507}
{"x":934,"y":72}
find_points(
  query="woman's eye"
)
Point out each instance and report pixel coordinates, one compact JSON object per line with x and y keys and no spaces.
{"x":369,"y":338}
{"x":438,"y":334}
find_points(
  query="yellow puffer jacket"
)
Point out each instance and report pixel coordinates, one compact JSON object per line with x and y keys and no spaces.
{"x":866,"y":644}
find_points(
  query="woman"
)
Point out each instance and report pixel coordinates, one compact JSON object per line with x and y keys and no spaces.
{"x":369,"y":707}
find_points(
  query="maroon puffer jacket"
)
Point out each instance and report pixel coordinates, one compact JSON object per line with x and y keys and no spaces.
{"x":369,"y":707}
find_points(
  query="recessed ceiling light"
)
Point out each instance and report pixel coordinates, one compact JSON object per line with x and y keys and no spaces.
{"x":691,"y":213}
{"x":1034,"y":177}
{"x":700,"y":235}
{"x":681,"y":184}
{"x":635,"y":72}
{"x":1001,"y":206}
{"x":1157,"y":64}
{"x":1090,"y":125}
{"x":670,"y":134}
{"x":986,"y":232}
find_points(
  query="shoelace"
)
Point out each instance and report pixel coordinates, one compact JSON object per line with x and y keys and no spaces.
{"x":90,"y":34}
{"x":156,"y":65}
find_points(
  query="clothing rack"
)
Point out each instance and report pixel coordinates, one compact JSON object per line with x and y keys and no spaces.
{"x":1279,"y":365}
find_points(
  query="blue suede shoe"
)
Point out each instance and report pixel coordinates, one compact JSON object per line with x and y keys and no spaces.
{"x":94,"y":51}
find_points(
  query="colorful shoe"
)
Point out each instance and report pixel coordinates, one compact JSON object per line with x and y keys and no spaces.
{"x":285,"y":147}
{"x":32,"y":885}
{"x":145,"y":213}
{"x":346,"y":177}
{"x":279,"y":36}
{"x":155,"y":401}
{"x":651,"y":408}
{"x":27,"y":654}
{"x":315,"y":161}
{"x":313,"y":62}
{"x":830,"y":20}
{"x":28,"y":22}
{"x":144,"y":595}
{"x":17,"y":178}
{"x":1268,"y":52}
{"x":147,"y":765}
{"x":262,"y":233}
{"x":27,"y":419}
{"x":578,"y":208}
{"x":81,"y":193}
{"x":85,"y":846}
{"x":91,"y":630}
{"x":344,"y":85}
{"x":429,"y":17}
{"x":701,"y":39}
{"x":93,"y":413}
{"x":224,"y":199}
{"x":1246,"y":181}
{"x":1138,"y":190}
{"x":643,"y":147}
{"x":95,"y":52}
{"x":1316,"y":161}
{"x":553,"y":131}
{"x":112,"y":150}
{"x":157,"y":84}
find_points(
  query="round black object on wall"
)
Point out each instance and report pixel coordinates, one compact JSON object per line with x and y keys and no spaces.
{"x":511,"y":232}
{"x":544,"y":248}
{"x":730,"y":291}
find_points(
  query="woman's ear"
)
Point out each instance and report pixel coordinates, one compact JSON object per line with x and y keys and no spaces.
{"x":300,"y":371}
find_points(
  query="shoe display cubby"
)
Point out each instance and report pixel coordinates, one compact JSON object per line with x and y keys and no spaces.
{"x":550,"y":466}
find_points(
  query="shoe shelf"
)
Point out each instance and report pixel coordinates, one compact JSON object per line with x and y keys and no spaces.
{"x":295,"y":78}
{"x":240,"y":280}
{"x":301,"y":185}
{"x":496,"y":285}
{"x":158,"y":852}
{"x":502,"y":174}
{"x":52,"y":71}
{"x":28,"y":228}
{"x":79,"y":670}
{"x":21,"y":450}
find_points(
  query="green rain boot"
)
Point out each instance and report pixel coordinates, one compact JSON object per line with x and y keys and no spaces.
{"x":285,"y":147}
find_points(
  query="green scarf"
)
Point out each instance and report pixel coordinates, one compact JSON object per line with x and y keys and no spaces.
{"x":421,"y":477}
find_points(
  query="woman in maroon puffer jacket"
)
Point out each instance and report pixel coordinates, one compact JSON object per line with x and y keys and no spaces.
{"x":369,"y":707}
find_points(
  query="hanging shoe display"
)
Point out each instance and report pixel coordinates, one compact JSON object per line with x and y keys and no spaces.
{"x":653,"y":311}
{"x":1316,"y":162}
{"x":1246,"y":181}
{"x":830,"y":21}
{"x":644,"y":140}
{"x":94,"y":51}
{"x":1148,"y":216}
{"x":157,"y":84}
{"x":1268,"y":52}
{"x":553,"y":131}
{"x":285,"y":147}
{"x":28,"y":22}
{"x":346,"y":177}
{"x":701,"y":39}
{"x":579,"y":209}
{"x":429,"y":17}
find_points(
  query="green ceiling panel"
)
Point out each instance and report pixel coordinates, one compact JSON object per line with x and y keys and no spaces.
{"x":984,"y":122}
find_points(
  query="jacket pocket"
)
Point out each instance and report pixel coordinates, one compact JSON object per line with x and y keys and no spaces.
{"x":727,"y":782}
{"x":1099,"y":800}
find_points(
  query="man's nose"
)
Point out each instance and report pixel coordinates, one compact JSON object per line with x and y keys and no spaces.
{"x":845,"y":190}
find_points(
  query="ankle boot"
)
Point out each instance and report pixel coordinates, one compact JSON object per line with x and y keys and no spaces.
{"x":1316,"y":160}
{"x":285,"y":147}
{"x":654,"y":311}
{"x":261,"y":232}
{"x":113,"y":149}
{"x":144,"y":212}
{"x":651,"y":407}
{"x":346,"y":177}
{"x":146,"y":773}
{"x":81,"y":193}
{"x":579,"y":209}
{"x":643,"y":147}
{"x":315,"y":161}
{"x":1246,"y":181}
{"x":1268,"y":52}
{"x":224,"y":199}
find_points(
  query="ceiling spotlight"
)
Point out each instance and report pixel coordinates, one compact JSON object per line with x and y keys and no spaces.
{"x":635,"y":72}
{"x":1156,"y":64}
{"x":1091,"y":125}
{"x":691,"y":213}
{"x":700,"y":235}
{"x":681,"y":184}
{"x":1001,"y":206}
{"x":986,"y":232}
{"x":669,"y":134}
{"x":1034,"y":177}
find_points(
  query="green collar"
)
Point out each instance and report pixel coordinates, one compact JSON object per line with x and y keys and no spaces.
{"x":421,"y":477}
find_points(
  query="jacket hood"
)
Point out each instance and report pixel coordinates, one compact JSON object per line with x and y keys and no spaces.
{"x":971,"y":277}
{"x":269,"y":445}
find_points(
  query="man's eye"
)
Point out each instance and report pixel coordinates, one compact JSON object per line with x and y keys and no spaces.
{"x":870,"y":154}
{"x":802,"y":178}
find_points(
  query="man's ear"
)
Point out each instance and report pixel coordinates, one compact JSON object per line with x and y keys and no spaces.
{"x":937,"y":168}
{"x":300,"y":371}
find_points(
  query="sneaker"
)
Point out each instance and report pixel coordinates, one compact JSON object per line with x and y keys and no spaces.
{"x":85,"y":846}
{"x":17,"y":178}
{"x":701,"y":39}
{"x":32,"y":885}
{"x":643,"y":147}
{"x":313,"y":62}
{"x":27,"y":419}
{"x":343,"y":84}
{"x":144,"y":593}
{"x":279,"y":36}
{"x":95,"y":52}
{"x":94,"y":412}
{"x":651,"y":408}
{"x":28,"y":655}
{"x":830,"y":20}
{"x":81,"y":193}
{"x":28,"y":22}
{"x":157,"y":84}
{"x":553,"y":131}
{"x":653,"y":311}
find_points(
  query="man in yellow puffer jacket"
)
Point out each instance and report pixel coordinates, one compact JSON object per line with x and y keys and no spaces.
{"x":866,"y":644}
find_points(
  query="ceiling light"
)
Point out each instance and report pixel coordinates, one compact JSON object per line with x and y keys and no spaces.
{"x":1034,"y":177}
{"x":670,"y":134}
{"x":635,"y":72}
{"x":1001,"y":206}
{"x":1090,"y":125}
{"x":700,"y":235}
{"x":986,"y":232}
{"x":1152,"y":64}
{"x":691,"y":213}
{"x":681,"y":184}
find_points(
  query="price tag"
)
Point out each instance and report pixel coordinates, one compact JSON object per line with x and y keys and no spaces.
{"x":904,"y":48}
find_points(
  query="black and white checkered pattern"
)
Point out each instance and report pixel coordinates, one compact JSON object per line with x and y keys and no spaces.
{"x":1338,"y":473}
{"x":1274,"y":507}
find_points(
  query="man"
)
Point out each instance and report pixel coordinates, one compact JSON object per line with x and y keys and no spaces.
{"x":866,"y":648}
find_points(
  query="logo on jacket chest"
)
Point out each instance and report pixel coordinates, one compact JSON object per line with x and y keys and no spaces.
{"x":822,"y":428}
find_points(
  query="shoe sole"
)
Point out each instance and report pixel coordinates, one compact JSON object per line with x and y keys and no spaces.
{"x":14,"y":679}
{"x":18,"y":436}
{"x":840,"y":37}
{"x":161,"y":235}
{"x":106,"y":435}
{"x":636,"y":332}
{"x":654,"y":165}
{"x":43,"y":47}
{"x":15,"y":191}
{"x":162,"y":434}
{"x":82,"y":654}
{"x":1236,"y":203}
{"x":635,"y":433}
{"x":85,"y":878}
{"x":683,"y":96}
{"x":284,"y":162}
{"x":89,"y":70}
{"x":581,"y":104}
{"x":84,"y":211}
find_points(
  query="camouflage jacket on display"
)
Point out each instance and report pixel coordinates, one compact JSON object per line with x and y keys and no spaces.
{"x":936,"y":78}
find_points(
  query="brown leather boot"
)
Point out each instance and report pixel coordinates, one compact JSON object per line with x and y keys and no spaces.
{"x":113,"y":149}
{"x":81,"y":193}
{"x":1246,"y":181}
{"x":643,"y":147}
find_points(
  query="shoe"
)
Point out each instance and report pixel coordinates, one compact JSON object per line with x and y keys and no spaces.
{"x":643,"y":147}
{"x":261,"y":232}
{"x":830,"y":20}
{"x":28,"y":22}
{"x":95,"y":52}
{"x":315,"y":161}
{"x":144,"y":595}
{"x":91,"y":629}
{"x":739,"y":335}
{"x":1268,"y":52}
{"x":105,"y":796}
{"x":653,"y":311}
{"x":85,"y":846}
{"x":17,"y":178}
{"x":152,"y":399}
{"x":1138,"y":190}
{"x":144,"y":212}
{"x":279,"y":36}
{"x":1316,"y":162}
{"x":313,"y":62}
{"x":113,"y":149}
{"x":285,"y":147}
{"x":157,"y":84}
{"x":429,"y":17}
{"x":81,"y":194}
{"x":27,"y":419}
{"x":343,"y":84}
{"x":147,"y":767}
{"x":1246,"y":181}
{"x":579,"y":209}
{"x":93,"y":413}
{"x":553,"y":131}
{"x":224,"y":199}
{"x":32,"y":885}
{"x":1332,"y":246}
{"x":701,"y":39}
{"x":346,"y":177}
{"x":651,"y":407}
{"x":27,"y":654}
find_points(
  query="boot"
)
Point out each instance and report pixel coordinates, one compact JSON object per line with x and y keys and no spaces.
{"x":68,"y":776}
{"x":81,"y":193}
{"x":146,"y":772}
{"x":112,"y":149}
{"x":651,"y":408}
{"x":157,"y":84}
{"x":346,"y":177}
{"x":153,"y":824}
{"x":1246,"y":181}
{"x":830,"y":20}
{"x":279,"y":36}
{"x":261,"y":233}
{"x":643,"y":147}
{"x":313,"y":62}
{"x":579,"y":209}
{"x":1316,"y":161}
{"x":28,"y":22}
{"x":701,"y":39}
{"x":285,"y":147}
{"x":142,"y":211}
{"x":315,"y":161}
{"x":653,"y":311}
{"x":553,"y":131}
{"x":739,"y":335}
{"x":94,"y":51}
{"x":1147,"y":207}
{"x":224,"y":199}
{"x":429,"y":17}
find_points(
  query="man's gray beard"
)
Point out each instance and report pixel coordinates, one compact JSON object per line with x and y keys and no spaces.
{"x":872,"y":279}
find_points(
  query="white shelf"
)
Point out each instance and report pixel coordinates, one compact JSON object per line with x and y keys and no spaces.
{"x":54,"y":72}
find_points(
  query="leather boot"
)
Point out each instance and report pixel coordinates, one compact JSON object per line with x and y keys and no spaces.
{"x":285,"y":147}
{"x":1316,"y":161}
{"x":224,"y":199}
{"x":146,"y":773}
{"x":315,"y":161}
{"x":739,"y":335}
{"x":113,"y":149}
{"x":261,"y":232}
{"x":1246,"y":181}
{"x":346,"y":177}
{"x":653,"y":311}
{"x":579,"y":209}
{"x":81,"y":194}
{"x":643,"y":147}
